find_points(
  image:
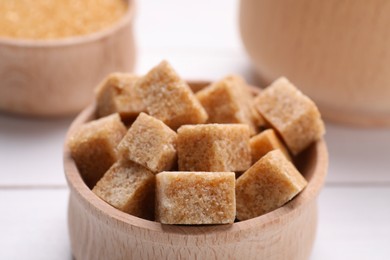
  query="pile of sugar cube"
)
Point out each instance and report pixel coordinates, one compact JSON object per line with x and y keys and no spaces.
{"x":162,"y":151}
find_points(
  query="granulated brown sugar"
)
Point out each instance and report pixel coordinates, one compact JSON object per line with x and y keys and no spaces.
{"x":49,"y":19}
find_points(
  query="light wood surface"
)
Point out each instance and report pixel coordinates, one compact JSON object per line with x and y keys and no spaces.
{"x":39,"y":230}
{"x":353,"y":220}
{"x":98,"y":230}
{"x":337,"y":52}
{"x":57,"y":77}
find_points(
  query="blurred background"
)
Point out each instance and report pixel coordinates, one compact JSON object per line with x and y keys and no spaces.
{"x":201,"y":39}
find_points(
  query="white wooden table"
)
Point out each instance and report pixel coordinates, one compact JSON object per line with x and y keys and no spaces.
{"x":200,"y":39}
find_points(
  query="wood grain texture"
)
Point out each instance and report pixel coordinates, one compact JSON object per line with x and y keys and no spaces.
{"x":99,"y":231}
{"x":57,"y":77}
{"x":336,"y":52}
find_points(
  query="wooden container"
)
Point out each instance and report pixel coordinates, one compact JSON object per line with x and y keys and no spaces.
{"x":336,"y":51}
{"x":99,"y":231}
{"x":56,"y":77}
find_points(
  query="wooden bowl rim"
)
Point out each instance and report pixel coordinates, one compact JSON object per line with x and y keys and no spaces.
{"x":74,"y":40}
{"x":282,"y":214}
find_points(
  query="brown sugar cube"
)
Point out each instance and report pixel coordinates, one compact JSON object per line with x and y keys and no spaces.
{"x":291,"y":113}
{"x":93,"y":146}
{"x":258,"y":118}
{"x":150,"y":143}
{"x":230,"y":101}
{"x":169,"y":98}
{"x":128,"y":187}
{"x":265,"y":142}
{"x":213,"y":147}
{"x":194,"y":198}
{"x":267,"y":185}
{"x":117,"y":94}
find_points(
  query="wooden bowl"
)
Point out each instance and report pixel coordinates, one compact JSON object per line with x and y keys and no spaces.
{"x":99,"y":231}
{"x":337,"y":52}
{"x":56,"y":77}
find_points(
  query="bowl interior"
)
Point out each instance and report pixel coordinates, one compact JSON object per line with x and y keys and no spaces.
{"x":312,"y":163}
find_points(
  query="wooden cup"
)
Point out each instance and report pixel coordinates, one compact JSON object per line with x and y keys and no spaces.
{"x":56,"y":77}
{"x":99,"y":231}
{"x":336,"y":51}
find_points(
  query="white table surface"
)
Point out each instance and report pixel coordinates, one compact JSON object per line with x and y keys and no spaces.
{"x":201,"y":40}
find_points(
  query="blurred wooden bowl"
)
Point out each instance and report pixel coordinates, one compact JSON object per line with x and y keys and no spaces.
{"x":336,"y":51}
{"x":99,"y":231}
{"x":56,"y":77}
